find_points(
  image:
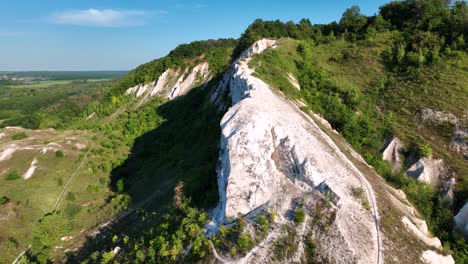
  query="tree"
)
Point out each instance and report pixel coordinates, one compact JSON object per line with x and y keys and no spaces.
{"x":59,"y":154}
{"x":352,"y":20}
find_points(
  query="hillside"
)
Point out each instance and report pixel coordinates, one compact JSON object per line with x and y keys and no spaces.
{"x":337,"y":143}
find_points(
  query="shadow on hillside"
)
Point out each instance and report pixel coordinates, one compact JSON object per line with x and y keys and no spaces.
{"x":184,"y":147}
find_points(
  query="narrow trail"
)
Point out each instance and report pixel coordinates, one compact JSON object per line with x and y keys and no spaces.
{"x":70,"y":181}
{"x":20,"y":255}
{"x":272,"y":235}
{"x":217,"y":256}
{"x":368,"y":188}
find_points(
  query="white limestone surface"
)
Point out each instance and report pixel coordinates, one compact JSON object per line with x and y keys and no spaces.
{"x":271,"y":152}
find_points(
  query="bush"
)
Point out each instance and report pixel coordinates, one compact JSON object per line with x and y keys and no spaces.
{"x":72,"y":210}
{"x":425,"y":151}
{"x":299,"y":216}
{"x":4,"y":200}
{"x":245,"y":241}
{"x":13,"y":175}
{"x":19,"y":136}
{"x":263,"y":222}
{"x":59,"y":154}
{"x":71,"y":196}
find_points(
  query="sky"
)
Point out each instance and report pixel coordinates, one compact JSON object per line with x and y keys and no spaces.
{"x":122,"y":34}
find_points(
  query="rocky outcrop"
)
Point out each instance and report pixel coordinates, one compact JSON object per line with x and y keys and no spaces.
{"x":392,"y":152}
{"x":294,"y":82}
{"x":461,"y":220}
{"x":271,"y":153}
{"x":459,"y":141}
{"x":432,"y":257}
{"x":199,"y":73}
{"x":434,"y":172}
{"x":171,"y":83}
{"x":427,"y":170}
{"x":421,"y":232}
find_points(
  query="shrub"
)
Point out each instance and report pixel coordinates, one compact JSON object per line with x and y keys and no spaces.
{"x":245,"y":241}
{"x":299,"y":216}
{"x":71,"y":196}
{"x":19,"y":136}
{"x":13,"y":175}
{"x":120,"y":186}
{"x":358,"y":192}
{"x":72,"y":210}
{"x":4,"y":200}
{"x":263,"y":222}
{"x":425,"y":151}
{"x":59,"y":154}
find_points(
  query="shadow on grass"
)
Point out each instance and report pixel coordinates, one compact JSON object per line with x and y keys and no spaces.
{"x":185,"y":147}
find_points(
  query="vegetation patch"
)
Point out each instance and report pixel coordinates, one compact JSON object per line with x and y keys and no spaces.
{"x":286,"y":246}
{"x":19,"y":136}
{"x":12,"y":175}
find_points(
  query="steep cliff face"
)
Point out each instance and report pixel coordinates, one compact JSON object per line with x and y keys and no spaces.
{"x":273,"y":155}
{"x":172,"y":83}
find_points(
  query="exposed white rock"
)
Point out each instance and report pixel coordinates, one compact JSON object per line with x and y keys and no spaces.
{"x":258,"y":47}
{"x":80,"y":146}
{"x":188,"y":81}
{"x":323,"y":121}
{"x":116,"y":250}
{"x":93,"y":114}
{"x":29,"y":173}
{"x":460,"y":133}
{"x":8,"y":152}
{"x":421,"y":232}
{"x":271,"y":152}
{"x":162,"y":82}
{"x":459,"y":140}
{"x":293,"y":81}
{"x":66,"y":238}
{"x":461,"y":220}
{"x":438,"y":116}
{"x":427,"y":170}
{"x":393,"y":149}
{"x":432,"y":257}
{"x":2,"y":135}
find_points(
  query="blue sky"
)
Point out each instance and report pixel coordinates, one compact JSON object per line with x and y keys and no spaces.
{"x":121,"y":34}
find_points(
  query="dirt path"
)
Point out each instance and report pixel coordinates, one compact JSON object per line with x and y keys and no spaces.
{"x":270,"y":237}
{"x":217,"y":256}
{"x":368,"y":187}
{"x":67,"y":186}
{"x":20,"y":255}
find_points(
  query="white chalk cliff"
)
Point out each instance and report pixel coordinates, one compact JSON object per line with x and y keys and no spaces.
{"x":172,"y":83}
{"x":271,"y":153}
{"x":393,"y":150}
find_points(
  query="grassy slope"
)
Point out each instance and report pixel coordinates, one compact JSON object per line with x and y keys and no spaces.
{"x":442,"y":87}
{"x":390,"y":98}
{"x":32,"y":198}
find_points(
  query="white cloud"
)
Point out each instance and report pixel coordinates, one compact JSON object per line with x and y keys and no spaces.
{"x":100,"y":17}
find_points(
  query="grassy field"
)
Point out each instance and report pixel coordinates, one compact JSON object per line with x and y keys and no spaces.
{"x":45,"y":84}
{"x":84,"y":201}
